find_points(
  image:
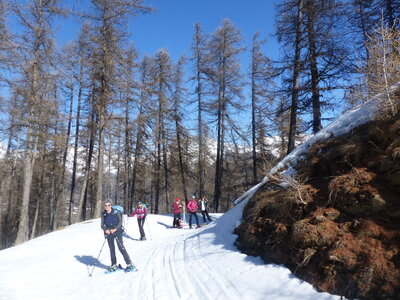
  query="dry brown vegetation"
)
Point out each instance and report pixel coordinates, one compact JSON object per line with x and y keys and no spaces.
{"x":343,"y":236}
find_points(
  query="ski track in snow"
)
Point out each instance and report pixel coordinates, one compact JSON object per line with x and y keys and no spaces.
{"x":198,"y":264}
{"x":228,"y":289}
{"x":175,"y":267}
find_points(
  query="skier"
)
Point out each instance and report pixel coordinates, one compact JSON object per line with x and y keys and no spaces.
{"x":192,"y":208}
{"x":111,"y":223}
{"x":204,"y":209}
{"x":177,"y":213}
{"x":141,"y":213}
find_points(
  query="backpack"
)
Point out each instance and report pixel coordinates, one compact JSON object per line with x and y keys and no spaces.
{"x":118,"y":208}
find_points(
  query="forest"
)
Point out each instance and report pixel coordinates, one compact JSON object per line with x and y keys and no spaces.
{"x":94,"y":120}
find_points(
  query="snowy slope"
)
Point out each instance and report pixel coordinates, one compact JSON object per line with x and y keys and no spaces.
{"x":173,"y":264}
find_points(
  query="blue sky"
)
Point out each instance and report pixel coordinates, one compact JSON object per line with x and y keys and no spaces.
{"x":172,"y":25}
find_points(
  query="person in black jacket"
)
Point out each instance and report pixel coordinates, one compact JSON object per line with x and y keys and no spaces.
{"x":111,"y":223}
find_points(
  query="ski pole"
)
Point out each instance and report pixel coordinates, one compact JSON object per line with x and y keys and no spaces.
{"x":148,"y":227}
{"x":184,"y":218}
{"x":126,"y":223}
{"x":97,"y":259}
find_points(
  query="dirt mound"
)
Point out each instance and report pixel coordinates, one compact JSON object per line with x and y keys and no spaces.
{"x":339,"y":229}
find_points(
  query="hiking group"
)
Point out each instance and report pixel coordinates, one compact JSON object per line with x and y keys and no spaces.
{"x":112,"y":224}
{"x":193,"y":207}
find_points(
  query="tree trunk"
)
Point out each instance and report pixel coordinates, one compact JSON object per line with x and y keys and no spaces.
{"x":81,"y":199}
{"x":61,"y":178}
{"x":8,"y":184}
{"x":220,"y":151}
{"x":180,"y":155}
{"x":81,"y":213}
{"x":40,"y":196}
{"x":100,"y":161}
{"x":199,"y":92}
{"x":127,"y":159}
{"x":138,"y":148}
{"x":316,"y":105}
{"x":117,"y":178}
{"x":253,"y":117}
{"x":158,"y":156}
{"x":165,"y":167}
{"x":296,"y":81}
{"x":158,"y":173}
{"x":76,"y":144}
{"x":29,"y":162}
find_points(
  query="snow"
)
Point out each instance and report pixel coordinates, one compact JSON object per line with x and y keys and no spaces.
{"x":172,"y":264}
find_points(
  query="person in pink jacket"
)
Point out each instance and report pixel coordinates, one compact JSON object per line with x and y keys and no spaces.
{"x":192,"y":209}
{"x":177,"y":209}
{"x":141,"y":213}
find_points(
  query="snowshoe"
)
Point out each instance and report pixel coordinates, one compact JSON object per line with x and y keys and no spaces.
{"x":130,"y":268}
{"x":113,"y":268}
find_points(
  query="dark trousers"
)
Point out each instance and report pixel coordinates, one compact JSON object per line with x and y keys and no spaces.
{"x":118,"y":237}
{"x":195,"y":216}
{"x":177,"y":218}
{"x":205,"y":214}
{"x":141,"y":224}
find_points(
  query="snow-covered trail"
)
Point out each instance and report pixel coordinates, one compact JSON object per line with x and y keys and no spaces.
{"x":181,"y":269}
{"x":172,"y":264}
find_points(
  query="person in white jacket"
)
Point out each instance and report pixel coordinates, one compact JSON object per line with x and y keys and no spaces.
{"x":202,"y":204}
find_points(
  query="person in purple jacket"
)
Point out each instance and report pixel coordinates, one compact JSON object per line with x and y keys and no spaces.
{"x":192,"y":209}
{"x":141,"y":213}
